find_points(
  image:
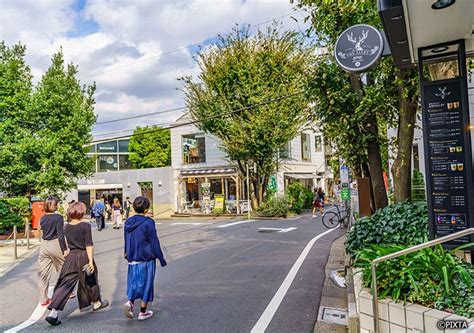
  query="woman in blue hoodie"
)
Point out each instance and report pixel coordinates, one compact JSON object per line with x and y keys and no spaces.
{"x":142,"y":248}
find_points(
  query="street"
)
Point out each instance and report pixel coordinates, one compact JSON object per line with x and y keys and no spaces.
{"x":221,"y":276}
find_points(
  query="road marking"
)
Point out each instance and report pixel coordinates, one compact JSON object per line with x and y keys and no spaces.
{"x":272,"y":307}
{"x":234,"y":223}
{"x":280,"y":229}
{"x":35,"y":316}
{"x":188,"y":223}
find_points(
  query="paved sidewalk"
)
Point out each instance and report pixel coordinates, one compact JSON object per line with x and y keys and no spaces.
{"x":7,"y":259}
{"x":333,"y":296}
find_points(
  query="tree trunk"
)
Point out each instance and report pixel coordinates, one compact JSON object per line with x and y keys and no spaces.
{"x":375,"y":166}
{"x":401,"y":168}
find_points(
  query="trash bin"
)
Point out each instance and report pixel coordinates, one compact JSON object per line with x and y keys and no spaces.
{"x":36,"y":213}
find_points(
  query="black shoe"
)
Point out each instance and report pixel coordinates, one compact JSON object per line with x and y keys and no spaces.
{"x":103,"y":304}
{"x":53,"y":321}
{"x":99,"y":229}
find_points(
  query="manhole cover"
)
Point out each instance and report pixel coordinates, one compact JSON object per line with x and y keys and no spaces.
{"x":267,"y":230}
{"x":338,"y":276}
{"x":333,"y":315}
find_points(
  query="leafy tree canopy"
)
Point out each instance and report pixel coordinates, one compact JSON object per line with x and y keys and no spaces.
{"x":150,"y":147}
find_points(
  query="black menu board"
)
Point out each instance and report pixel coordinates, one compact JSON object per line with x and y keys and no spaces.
{"x":448,"y":157}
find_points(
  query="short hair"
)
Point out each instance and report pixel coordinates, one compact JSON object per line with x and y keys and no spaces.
{"x":51,"y":204}
{"x":141,"y":204}
{"x":76,"y":211}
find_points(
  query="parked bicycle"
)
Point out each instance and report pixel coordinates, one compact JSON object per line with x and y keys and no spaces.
{"x":336,"y":218}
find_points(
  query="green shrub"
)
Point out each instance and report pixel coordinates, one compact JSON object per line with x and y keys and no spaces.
{"x":275,"y":206}
{"x":433,"y":277}
{"x":418,"y":192}
{"x":13,"y":212}
{"x":398,"y":224}
{"x":217,"y":211}
{"x":299,"y":197}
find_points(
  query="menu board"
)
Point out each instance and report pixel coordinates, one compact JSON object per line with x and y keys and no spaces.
{"x":448,"y":157}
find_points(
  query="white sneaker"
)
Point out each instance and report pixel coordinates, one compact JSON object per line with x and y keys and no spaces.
{"x":128,"y":310}
{"x":314,"y":216}
{"x":145,"y":315}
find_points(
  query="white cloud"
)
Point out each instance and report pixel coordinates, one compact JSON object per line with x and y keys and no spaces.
{"x":128,"y":54}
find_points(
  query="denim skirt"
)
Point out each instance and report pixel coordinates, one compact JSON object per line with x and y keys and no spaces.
{"x":140,"y":281}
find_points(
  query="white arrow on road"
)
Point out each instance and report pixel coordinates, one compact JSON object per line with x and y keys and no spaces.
{"x":279,"y":229}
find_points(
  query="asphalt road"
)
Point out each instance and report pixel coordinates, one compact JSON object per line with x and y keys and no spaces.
{"x":218,"y":279}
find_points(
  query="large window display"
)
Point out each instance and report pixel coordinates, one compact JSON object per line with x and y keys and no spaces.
{"x":305,"y":149}
{"x":194,"y":148}
{"x":108,"y":163}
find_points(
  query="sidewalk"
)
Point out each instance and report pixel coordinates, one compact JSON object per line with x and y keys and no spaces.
{"x":7,"y":260}
{"x":334,"y":298}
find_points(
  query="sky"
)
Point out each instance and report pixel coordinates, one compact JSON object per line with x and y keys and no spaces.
{"x":134,"y":50}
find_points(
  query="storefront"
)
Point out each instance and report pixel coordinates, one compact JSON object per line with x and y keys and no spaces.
{"x":198,"y":189}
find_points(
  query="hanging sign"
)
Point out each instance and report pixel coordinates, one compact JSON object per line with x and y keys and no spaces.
{"x":359,"y":48}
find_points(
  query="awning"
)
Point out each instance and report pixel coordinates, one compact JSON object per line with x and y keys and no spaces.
{"x":99,"y":186}
{"x":198,"y":172}
{"x":300,"y":175}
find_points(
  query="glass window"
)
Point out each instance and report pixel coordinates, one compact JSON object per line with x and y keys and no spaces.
{"x":92,"y":149}
{"x":305,"y":150}
{"x":124,"y":163}
{"x":194,"y":148}
{"x":107,"y":147}
{"x":285,"y":151}
{"x":108,"y":163}
{"x":123,"y":146}
{"x":318,"y":145}
{"x":416,"y":157}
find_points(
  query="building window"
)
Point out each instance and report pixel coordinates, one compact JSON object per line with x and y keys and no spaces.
{"x":305,"y":150}
{"x":107,"y":147}
{"x":123,"y":146}
{"x":124,"y":163}
{"x":194,"y":148}
{"x":416,"y":157}
{"x":285,"y":151}
{"x":318,"y":144}
{"x":108,"y":163}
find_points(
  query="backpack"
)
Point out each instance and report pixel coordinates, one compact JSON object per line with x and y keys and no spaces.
{"x":98,"y":211}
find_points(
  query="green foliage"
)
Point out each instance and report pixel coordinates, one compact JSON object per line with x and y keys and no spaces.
{"x":218,"y":211}
{"x":299,"y":197}
{"x":418,"y":187}
{"x":150,"y":147}
{"x":13,"y":212}
{"x":400,"y":224}
{"x":241,"y":71}
{"x":274,"y":206}
{"x":433,"y":277}
{"x":43,"y":131}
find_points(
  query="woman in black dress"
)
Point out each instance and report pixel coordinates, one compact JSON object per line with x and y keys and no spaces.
{"x":79,"y":266}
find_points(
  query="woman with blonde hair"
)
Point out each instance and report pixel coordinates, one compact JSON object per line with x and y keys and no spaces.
{"x":53,"y":247}
{"x":117,"y":213}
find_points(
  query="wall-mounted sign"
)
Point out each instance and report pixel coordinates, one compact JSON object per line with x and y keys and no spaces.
{"x":219,"y":201}
{"x":191,"y":180}
{"x":359,"y":48}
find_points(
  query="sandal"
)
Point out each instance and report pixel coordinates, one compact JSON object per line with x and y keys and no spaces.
{"x":103,"y":304}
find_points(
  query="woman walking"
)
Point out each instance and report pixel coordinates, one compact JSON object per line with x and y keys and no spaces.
{"x":79,"y":266}
{"x":53,"y":247}
{"x":117,"y":213}
{"x":142,"y":248}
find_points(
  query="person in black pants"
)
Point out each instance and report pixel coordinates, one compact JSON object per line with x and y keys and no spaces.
{"x":79,"y":266}
{"x":99,"y":210}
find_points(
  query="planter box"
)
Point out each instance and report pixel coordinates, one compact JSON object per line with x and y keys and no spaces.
{"x":397,"y":316}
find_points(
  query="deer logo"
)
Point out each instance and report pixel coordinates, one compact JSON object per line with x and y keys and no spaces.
{"x":442,"y":92}
{"x":357,"y":43}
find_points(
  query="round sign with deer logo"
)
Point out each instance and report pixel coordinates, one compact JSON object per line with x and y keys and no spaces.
{"x":359,"y":48}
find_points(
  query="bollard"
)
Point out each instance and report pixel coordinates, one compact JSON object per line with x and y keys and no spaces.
{"x":27,"y":230}
{"x":14,"y":242}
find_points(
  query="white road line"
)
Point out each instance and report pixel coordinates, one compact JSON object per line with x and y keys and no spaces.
{"x":280,"y":229}
{"x":234,"y":223}
{"x":35,"y":316}
{"x":189,"y":223}
{"x":272,"y":307}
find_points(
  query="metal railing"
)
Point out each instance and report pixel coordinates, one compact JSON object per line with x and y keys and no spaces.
{"x":401,"y":253}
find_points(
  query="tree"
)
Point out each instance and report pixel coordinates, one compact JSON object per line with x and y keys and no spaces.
{"x":150,"y":147}
{"x":43,"y":140}
{"x":263,"y":76}
{"x":389,"y":100}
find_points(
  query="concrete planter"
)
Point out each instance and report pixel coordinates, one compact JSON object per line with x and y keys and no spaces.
{"x":395,"y":317}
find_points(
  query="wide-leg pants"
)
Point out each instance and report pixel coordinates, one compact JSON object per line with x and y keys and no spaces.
{"x":88,"y":288}
{"x":117,"y":218}
{"x":50,"y":256}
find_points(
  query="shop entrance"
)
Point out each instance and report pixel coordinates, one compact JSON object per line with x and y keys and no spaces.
{"x":110,"y":194}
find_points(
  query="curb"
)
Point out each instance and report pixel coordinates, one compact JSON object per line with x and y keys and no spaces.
{"x":20,"y":259}
{"x":353,"y":320}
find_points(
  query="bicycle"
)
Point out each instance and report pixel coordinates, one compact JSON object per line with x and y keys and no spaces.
{"x":333,"y":219}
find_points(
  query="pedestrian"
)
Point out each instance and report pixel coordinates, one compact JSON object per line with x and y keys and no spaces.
{"x":53,"y":247}
{"x":79,"y":267}
{"x":117,"y":212}
{"x":127,"y":205}
{"x":142,"y":248}
{"x":98,"y":210}
{"x":108,"y":210}
{"x":316,"y":203}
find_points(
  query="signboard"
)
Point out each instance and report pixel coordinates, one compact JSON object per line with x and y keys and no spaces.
{"x":206,"y":189}
{"x":345,"y":194}
{"x":219,"y":202}
{"x":272,"y":184}
{"x":359,"y":48}
{"x":191,"y":180}
{"x":448,"y":158}
{"x":344,"y":174}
